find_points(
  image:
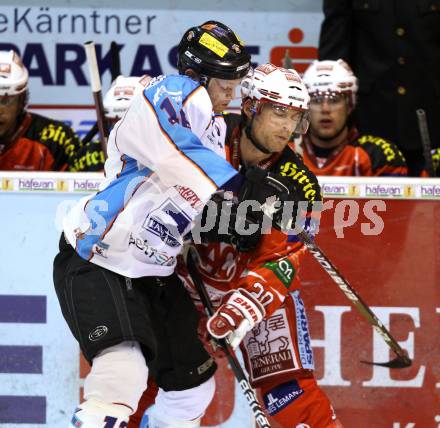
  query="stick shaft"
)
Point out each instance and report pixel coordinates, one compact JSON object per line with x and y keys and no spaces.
{"x":95,"y":83}
{"x":426,"y":140}
{"x":351,"y":293}
{"x":248,"y":392}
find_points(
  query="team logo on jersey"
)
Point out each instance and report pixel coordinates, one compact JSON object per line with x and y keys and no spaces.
{"x":168,"y":232}
{"x":269,"y":347}
{"x":283,"y":269}
{"x":158,"y":257}
{"x":176,"y":96}
{"x":155,"y":226}
{"x":281,"y":396}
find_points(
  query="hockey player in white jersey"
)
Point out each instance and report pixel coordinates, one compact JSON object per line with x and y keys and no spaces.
{"x":114,"y":274}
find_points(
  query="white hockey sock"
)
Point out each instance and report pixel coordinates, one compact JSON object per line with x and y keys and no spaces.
{"x":182,"y":409}
{"x":96,"y":414}
{"x":118,"y":375}
{"x":163,"y":421}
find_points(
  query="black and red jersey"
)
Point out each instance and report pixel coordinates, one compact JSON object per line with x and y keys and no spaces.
{"x":358,"y":155}
{"x":39,"y":144}
{"x":271,"y":270}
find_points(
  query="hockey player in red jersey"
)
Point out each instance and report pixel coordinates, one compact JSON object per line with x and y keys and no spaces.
{"x":333,"y":146}
{"x":28,"y":141}
{"x":256,"y":291}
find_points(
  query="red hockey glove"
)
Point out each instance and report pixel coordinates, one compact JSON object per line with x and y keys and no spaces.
{"x":234,"y":318}
{"x":210,"y":344}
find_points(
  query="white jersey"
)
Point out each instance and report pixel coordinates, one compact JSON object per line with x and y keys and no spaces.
{"x":166,"y":157}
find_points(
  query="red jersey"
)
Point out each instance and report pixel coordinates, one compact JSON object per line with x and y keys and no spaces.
{"x":359,"y":155}
{"x":270,"y":271}
{"x":39,"y":144}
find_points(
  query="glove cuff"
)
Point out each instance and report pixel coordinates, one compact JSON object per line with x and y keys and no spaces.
{"x":248,"y":305}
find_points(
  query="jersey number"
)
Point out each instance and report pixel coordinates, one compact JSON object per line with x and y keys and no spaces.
{"x":110,"y":423}
{"x":167,"y":106}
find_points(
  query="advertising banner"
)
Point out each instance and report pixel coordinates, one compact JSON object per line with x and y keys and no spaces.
{"x":50,"y":41}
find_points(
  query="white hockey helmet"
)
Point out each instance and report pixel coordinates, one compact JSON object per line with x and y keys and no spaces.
{"x":327,"y":77}
{"x":118,"y":98}
{"x":13,"y":74}
{"x":279,"y":86}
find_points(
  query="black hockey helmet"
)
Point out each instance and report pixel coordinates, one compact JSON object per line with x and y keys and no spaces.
{"x":213,"y":50}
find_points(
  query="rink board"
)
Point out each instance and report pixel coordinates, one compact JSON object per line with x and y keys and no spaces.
{"x":396,"y":272}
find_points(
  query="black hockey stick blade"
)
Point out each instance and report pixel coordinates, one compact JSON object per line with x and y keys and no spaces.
{"x":400,"y":362}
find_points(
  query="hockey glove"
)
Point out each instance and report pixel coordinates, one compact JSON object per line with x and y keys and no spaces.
{"x":240,"y":222}
{"x":210,"y":344}
{"x":269,"y":191}
{"x":236,"y":317}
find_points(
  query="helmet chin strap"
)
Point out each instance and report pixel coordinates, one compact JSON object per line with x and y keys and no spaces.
{"x":248,"y":131}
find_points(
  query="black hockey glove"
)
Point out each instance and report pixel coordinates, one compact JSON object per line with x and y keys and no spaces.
{"x":241,"y":220}
{"x":262,"y":195}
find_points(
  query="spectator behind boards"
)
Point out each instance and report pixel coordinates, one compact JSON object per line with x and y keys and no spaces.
{"x":333,"y":145}
{"x":393,"y":48}
{"x":28,"y":141}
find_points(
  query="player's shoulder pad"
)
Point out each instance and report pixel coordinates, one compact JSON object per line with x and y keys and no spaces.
{"x":176,"y":87}
{"x":381,"y":151}
{"x":291,"y":165}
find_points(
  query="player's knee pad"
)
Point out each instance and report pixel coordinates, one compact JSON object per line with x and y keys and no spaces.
{"x":118,"y":375}
{"x":187,"y":405}
{"x":94,"y":413}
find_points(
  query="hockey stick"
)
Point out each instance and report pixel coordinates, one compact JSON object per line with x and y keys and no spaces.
{"x":426,"y":140}
{"x":95,"y":82}
{"x":402,"y":360}
{"x":249,"y":393}
{"x":116,"y":60}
